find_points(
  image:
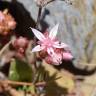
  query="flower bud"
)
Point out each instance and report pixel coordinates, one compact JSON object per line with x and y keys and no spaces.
{"x":20,"y":45}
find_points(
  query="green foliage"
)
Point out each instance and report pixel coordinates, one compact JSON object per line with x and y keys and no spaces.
{"x":31,"y":89}
{"x":20,"y":71}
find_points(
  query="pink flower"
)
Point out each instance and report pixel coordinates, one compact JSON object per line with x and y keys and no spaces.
{"x":50,"y":49}
{"x":48,"y":42}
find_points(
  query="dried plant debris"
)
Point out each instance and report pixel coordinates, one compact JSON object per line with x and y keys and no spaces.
{"x":42,"y":3}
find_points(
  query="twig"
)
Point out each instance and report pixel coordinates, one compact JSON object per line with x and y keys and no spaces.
{"x":37,"y":23}
{"x":21,"y":83}
{"x":43,"y":83}
{"x":14,"y":82}
{"x":38,"y":18}
{"x":42,"y":3}
{"x":47,"y":2}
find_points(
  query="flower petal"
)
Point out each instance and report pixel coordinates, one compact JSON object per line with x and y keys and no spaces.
{"x":37,"y":48}
{"x":38,"y":34}
{"x":57,"y":59}
{"x":60,"y":45}
{"x":53,"y":32}
{"x":50,"y":51}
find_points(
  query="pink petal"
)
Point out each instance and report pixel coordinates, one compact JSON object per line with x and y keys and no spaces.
{"x":61,"y":45}
{"x":53,"y":60}
{"x":57,"y":59}
{"x":53,"y":32}
{"x":50,"y":51}
{"x":67,"y":56}
{"x":38,"y":34}
{"x":37,"y":48}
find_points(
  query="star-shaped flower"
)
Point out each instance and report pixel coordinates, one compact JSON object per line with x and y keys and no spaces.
{"x":49,"y":42}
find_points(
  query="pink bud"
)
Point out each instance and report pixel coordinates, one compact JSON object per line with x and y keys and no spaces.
{"x":67,"y":56}
{"x":20,"y":45}
{"x":21,"y":42}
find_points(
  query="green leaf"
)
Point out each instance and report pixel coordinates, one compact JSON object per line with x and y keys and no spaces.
{"x":20,"y":71}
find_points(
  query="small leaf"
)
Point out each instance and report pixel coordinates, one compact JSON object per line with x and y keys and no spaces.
{"x":20,"y":71}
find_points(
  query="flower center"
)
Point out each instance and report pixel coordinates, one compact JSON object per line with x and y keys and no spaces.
{"x":48,"y":42}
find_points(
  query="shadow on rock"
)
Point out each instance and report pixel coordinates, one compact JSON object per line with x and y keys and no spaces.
{"x":69,"y":66}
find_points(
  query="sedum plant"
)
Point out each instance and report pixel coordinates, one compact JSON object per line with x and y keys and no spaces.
{"x":31,"y":68}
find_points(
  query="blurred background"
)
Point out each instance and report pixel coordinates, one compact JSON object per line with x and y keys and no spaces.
{"x":77,"y":28}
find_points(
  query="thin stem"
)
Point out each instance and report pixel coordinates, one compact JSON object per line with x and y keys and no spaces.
{"x":37,"y":84}
{"x":38,"y":18}
{"x":37,"y":24}
{"x":47,"y":2}
{"x":21,"y":83}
